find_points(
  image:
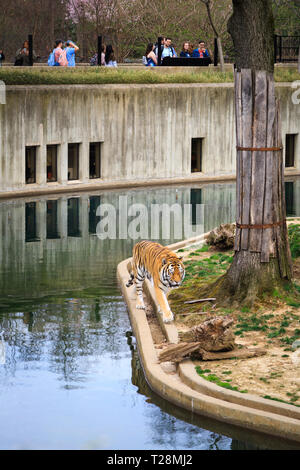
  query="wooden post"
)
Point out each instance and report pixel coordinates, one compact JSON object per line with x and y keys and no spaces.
{"x":159,"y":51}
{"x":99,"y":50}
{"x":275,"y":48}
{"x":280,"y":49}
{"x":30,"y":42}
{"x":216,"y":53}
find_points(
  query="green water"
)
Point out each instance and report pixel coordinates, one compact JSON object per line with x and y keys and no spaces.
{"x":69,"y":376}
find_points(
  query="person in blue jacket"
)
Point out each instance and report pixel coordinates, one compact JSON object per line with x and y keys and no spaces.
{"x":201,"y":51}
{"x":71,"y":51}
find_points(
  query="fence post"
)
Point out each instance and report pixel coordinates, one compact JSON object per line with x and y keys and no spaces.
{"x":216,"y":53}
{"x":159,"y":51}
{"x":275,"y":48}
{"x":99,"y":50}
{"x":30,"y":42}
{"x":280,"y":49}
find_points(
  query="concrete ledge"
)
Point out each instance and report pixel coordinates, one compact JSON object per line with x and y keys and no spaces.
{"x":193,"y":393}
{"x":37,"y":190}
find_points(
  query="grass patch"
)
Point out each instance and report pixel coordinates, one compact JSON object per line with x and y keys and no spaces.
{"x":205,"y":374}
{"x":294,"y":238}
{"x":278,"y":399}
{"x":102,"y":75}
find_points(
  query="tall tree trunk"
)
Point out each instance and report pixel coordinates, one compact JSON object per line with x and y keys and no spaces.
{"x":262,"y":258}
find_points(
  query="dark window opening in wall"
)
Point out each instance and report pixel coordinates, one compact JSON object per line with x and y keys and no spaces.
{"x":95,"y":160}
{"x":52,"y":228}
{"x":51,"y":163}
{"x":196,"y":199}
{"x":290,"y":145}
{"x":30,"y":165}
{"x":289,"y":199}
{"x":93,"y":218}
{"x":30,"y":223}
{"x":73,"y":162}
{"x":197,"y":155}
{"x":73,"y":218}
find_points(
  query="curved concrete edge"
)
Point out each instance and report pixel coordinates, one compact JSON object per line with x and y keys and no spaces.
{"x":189,"y":376}
{"x":193,"y":393}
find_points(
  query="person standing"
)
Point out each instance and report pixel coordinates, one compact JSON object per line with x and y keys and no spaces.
{"x":110,"y":60}
{"x":22,"y":55}
{"x":150,"y":56}
{"x":2,"y":57}
{"x":201,"y":51}
{"x":168,"y":50}
{"x":60,"y":56}
{"x":71,"y":51}
{"x":185,"y":50}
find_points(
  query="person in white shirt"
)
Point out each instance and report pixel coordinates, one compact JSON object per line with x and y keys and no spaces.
{"x":168,"y":50}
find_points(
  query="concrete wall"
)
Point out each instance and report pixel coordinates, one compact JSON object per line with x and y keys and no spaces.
{"x":146,"y":130}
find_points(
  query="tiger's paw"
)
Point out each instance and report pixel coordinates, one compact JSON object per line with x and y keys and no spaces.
{"x":140,"y":306}
{"x":168,"y":317}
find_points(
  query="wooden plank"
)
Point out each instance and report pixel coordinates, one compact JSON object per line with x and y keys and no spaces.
{"x":284,"y":256}
{"x":177,"y":352}
{"x":247,"y":117}
{"x":239,"y":143}
{"x":258,"y":159}
{"x":199,"y":301}
{"x":268,"y":245}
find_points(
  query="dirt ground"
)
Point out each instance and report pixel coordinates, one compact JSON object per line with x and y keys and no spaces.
{"x":275,"y":375}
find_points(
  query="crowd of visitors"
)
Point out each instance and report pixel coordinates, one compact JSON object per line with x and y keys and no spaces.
{"x":150,"y":59}
{"x":64,"y":54}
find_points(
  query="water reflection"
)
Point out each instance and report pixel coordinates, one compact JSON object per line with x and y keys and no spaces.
{"x":67,"y":363}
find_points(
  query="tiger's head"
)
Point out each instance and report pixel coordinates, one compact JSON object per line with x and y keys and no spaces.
{"x":172,"y":272}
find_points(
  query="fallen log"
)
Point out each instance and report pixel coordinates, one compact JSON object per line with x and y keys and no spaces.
{"x":243,"y":353}
{"x":214,"y":334}
{"x":212,"y":340}
{"x":178,"y":352}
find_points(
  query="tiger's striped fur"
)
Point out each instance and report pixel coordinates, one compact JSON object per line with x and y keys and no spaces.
{"x":162,"y":267}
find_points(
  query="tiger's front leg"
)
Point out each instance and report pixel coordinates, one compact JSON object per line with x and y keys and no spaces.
{"x":163,"y":304}
{"x":139,"y":281}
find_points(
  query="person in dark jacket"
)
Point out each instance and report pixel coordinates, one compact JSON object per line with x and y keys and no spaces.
{"x":22,"y":55}
{"x":185,"y":50}
{"x":2,"y":57}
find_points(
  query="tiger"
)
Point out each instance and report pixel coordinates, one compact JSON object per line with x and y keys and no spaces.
{"x":162,"y":267}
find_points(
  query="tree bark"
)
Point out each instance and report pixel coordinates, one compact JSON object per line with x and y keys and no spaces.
{"x":251,"y":27}
{"x":262,"y":258}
